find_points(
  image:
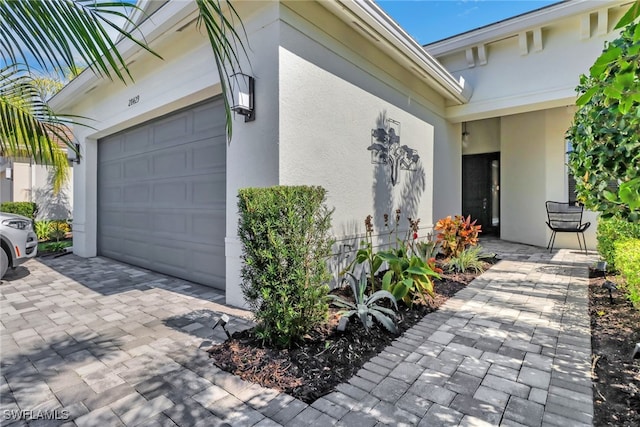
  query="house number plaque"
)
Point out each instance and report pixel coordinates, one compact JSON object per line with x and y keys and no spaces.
{"x":134,"y":100}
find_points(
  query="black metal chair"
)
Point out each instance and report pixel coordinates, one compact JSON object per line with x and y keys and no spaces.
{"x":566,"y":218}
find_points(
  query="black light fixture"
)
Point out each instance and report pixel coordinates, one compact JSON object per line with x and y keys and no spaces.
{"x":74,"y":155}
{"x":601,"y":266}
{"x":465,"y":135}
{"x":242,"y":92}
{"x":222,"y":321}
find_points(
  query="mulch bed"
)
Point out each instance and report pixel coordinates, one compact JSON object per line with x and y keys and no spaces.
{"x":327,"y":357}
{"x":615,"y":330}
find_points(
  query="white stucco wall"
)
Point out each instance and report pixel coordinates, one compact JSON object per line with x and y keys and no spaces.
{"x":253,"y":153}
{"x":331,"y":98}
{"x":33,"y":183}
{"x":484,"y":136}
{"x":533,"y":171}
{"x":523,"y":178}
{"x":514,"y":81}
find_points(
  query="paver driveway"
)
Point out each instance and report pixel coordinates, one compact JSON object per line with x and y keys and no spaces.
{"x":101,"y":343}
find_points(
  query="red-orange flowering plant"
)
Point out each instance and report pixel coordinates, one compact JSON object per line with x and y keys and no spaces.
{"x":456,"y":234}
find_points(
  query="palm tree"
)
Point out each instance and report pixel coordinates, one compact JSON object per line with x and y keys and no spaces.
{"x":45,"y":36}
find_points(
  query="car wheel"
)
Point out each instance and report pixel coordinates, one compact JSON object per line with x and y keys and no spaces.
{"x":4,"y":262}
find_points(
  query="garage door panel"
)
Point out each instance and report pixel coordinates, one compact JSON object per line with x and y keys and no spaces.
{"x":170,"y":193}
{"x":209,"y":192}
{"x":210,"y":156}
{"x":208,"y":261}
{"x":136,"y":220}
{"x":167,"y":131}
{"x":161,"y":195}
{"x":204,"y":229}
{"x":137,"y":167}
{"x":110,"y":171}
{"x":135,"y":141}
{"x":176,"y":222}
{"x":170,"y":163}
{"x":170,"y":255}
{"x":207,"y":119}
{"x":138,"y":193}
{"x":110,"y":218}
{"x":113,"y":150}
{"x":112,"y":194}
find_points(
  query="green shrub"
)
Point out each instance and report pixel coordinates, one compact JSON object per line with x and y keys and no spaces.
{"x":627,"y":258}
{"x":285,"y":237}
{"x":613,"y":230}
{"x":28,"y":209}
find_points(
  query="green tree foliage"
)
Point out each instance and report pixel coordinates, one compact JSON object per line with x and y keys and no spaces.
{"x":605,"y":135}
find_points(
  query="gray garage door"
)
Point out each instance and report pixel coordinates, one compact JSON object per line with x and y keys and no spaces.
{"x":161,"y":194}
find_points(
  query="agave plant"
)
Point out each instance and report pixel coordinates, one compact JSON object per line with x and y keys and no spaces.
{"x":365,"y":307}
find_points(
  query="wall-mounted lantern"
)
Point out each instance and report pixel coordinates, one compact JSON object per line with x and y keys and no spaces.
{"x":74,"y":155}
{"x":465,"y":135}
{"x":242,"y":91}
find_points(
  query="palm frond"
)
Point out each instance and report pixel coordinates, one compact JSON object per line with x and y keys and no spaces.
{"x":226,"y":44}
{"x":28,"y":127}
{"x":54,"y":34}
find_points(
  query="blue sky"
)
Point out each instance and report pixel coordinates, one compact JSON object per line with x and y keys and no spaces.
{"x":431,"y":20}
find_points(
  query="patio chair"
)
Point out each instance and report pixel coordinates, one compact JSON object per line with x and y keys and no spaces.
{"x":566,"y":218}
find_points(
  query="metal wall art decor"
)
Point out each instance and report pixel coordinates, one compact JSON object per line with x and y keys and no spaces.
{"x":386,"y":150}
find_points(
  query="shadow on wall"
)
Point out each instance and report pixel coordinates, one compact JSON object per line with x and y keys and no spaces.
{"x":387,"y":198}
{"x":51,"y":205}
{"x":405,"y":195}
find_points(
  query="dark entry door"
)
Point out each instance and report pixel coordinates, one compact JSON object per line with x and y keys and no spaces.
{"x":481,"y":190}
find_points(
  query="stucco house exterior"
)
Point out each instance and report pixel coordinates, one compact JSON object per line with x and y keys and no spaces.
{"x":21,"y":180}
{"x":339,"y":88}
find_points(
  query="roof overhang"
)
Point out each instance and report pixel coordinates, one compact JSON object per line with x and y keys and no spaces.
{"x":369,"y":19}
{"x":171,"y":17}
{"x":363,"y":15}
{"x":518,"y":24}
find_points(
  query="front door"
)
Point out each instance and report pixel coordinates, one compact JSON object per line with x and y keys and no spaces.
{"x":481,"y":190}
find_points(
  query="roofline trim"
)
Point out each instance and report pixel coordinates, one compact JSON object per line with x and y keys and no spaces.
{"x":517,"y":24}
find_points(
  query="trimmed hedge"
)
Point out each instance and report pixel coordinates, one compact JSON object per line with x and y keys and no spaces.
{"x":627,"y":258}
{"x":614,"y":230}
{"x":28,"y":209}
{"x":285,"y":238}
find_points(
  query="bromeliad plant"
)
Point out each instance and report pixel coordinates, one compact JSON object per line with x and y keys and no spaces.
{"x":365,"y":307}
{"x":456,"y":234}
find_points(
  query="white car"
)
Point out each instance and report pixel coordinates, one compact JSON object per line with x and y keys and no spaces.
{"x":19,"y":242}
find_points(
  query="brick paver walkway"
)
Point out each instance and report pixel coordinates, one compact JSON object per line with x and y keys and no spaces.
{"x":105,"y":344}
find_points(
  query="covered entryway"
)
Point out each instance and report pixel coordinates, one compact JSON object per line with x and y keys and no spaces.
{"x":161,"y":194}
{"x":481,"y":190}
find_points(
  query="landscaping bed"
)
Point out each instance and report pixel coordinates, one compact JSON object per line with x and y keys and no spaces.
{"x":53,"y":248}
{"x":615,"y":329}
{"x":327,"y":357}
